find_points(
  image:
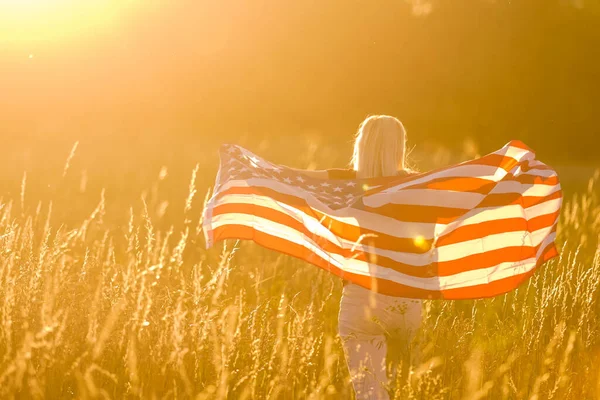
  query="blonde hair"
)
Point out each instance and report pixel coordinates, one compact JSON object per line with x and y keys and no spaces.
{"x":379,"y":147}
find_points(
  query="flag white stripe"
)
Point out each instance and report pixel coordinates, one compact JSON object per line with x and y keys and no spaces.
{"x":425,"y":197}
{"x":524,"y":189}
{"x":451,"y":252}
{"x":463,"y":279}
{"x":454,"y":199}
{"x":400,"y":229}
{"x":456,"y":248}
{"x":371,"y":200}
{"x":517,"y":153}
{"x":546,"y":173}
{"x":430,"y":197}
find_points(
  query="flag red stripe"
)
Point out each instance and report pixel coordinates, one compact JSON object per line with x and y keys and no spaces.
{"x":403,"y":245}
{"x":353,"y":233}
{"x":443,"y":268}
{"x":505,"y":199}
{"x":480,"y":185}
{"x":380,"y":285}
{"x":446,"y":215}
{"x":483,"y":241}
{"x":475,"y":231}
{"x":403,"y":212}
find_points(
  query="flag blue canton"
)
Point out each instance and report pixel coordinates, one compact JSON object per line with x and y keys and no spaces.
{"x":242,"y":165}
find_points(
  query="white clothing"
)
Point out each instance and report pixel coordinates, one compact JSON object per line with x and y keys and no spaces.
{"x":366,"y":320}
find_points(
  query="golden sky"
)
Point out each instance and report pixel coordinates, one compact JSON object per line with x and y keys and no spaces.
{"x":492,"y":71}
{"x":56,"y":22}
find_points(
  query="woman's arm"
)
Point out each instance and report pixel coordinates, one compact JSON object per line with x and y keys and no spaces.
{"x":318,"y":174}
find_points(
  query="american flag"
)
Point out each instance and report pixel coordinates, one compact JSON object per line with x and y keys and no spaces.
{"x":471,"y":230}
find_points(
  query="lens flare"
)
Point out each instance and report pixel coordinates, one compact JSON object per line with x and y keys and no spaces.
{"x":420,"y":242}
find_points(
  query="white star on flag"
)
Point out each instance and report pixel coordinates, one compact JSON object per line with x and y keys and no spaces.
{"x":452,"y":233}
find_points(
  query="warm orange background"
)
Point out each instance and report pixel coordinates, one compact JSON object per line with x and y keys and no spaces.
{"x":146,"y":83}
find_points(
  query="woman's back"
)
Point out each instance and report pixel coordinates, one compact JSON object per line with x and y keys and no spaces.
{"x":367,"y":319}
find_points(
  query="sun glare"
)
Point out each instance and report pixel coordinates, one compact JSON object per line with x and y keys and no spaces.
{"x":420,"y":242}
{"x":53,"y":21}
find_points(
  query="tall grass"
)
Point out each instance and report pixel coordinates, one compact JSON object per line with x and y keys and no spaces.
{"x":97,"y":310}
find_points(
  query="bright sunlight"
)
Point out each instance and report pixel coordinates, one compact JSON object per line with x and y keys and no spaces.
{"x":180,"y":217}
{"x":57,"y":21}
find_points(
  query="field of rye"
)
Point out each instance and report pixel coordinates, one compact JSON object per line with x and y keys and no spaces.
{"x":93,"y":309}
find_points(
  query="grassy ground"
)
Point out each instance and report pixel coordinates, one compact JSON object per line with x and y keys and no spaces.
{"x":94,"y":308}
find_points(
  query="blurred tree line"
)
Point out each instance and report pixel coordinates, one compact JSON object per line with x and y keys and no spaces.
{"x":183,"y":77}
{"x":291,"y":81}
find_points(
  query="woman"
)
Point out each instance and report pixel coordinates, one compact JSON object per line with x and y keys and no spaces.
{"x":367,"y":320}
